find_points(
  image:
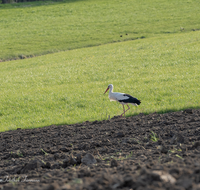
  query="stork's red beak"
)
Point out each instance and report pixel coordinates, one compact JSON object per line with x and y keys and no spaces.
{"x":106,"y":90}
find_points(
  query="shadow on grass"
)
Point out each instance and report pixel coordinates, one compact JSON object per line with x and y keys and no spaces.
{"x":176,"y":110}
{"x":145,"y":113}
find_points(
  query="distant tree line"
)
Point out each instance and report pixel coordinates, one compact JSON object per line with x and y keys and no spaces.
{"x":15,"y":1}
{"x":18,"y":1}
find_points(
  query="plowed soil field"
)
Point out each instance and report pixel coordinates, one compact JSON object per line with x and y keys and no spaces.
{"x":156,"y":151}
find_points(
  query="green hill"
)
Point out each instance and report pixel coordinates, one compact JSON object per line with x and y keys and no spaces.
{"x":68,"y":87}
{"x":38,"y":28}
{"x":161,"y":67}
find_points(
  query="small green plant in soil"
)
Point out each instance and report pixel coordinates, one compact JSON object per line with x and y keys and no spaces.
{"x":179,"y":156}
{"x":44,"y":152}
{"x":19,"y":153}
{"x":154,"y":137}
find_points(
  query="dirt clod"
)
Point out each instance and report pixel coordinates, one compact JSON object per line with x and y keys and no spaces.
{"x":113,"y":163}
{"x":88,"y":159}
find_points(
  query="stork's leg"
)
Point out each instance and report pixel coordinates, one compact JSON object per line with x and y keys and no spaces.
{"x":124,"y":111}
{"x":128,"y":108}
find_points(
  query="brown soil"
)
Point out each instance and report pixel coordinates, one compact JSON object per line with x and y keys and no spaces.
{"x":156,"y":151}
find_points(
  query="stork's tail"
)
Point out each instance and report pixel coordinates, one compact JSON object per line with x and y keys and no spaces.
{"x":138,"y":102}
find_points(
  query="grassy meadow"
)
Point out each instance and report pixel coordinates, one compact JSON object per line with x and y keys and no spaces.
{"x":161,"y":67}
{"x":68,"y":87}
{"x":38,"y":28}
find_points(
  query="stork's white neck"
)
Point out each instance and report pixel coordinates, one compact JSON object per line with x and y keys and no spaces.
{"x":111,"y":89}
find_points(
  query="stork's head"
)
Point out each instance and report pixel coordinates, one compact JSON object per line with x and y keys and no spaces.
{"x":110,"y":86}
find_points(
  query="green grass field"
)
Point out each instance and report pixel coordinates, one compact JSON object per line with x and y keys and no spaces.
{"x":67,"y":87}
{"x":38,"y":28}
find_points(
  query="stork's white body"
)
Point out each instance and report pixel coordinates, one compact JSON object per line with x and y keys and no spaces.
{"x":117,"y":96}
{"x":122,"y":98}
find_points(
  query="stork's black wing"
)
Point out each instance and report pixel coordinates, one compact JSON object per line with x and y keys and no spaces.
{"x":130,"y":99}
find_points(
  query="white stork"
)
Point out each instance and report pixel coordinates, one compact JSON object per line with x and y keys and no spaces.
{"x":122,"y":98}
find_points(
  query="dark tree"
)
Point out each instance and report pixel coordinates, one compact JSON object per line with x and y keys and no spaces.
{"x":4,"y":1}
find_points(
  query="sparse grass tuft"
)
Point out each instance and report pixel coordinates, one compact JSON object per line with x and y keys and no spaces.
{"x":19,"y":153}
{"x":44,"y":152}
{"x":179,"y":156}
{"x":154,"y":137}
